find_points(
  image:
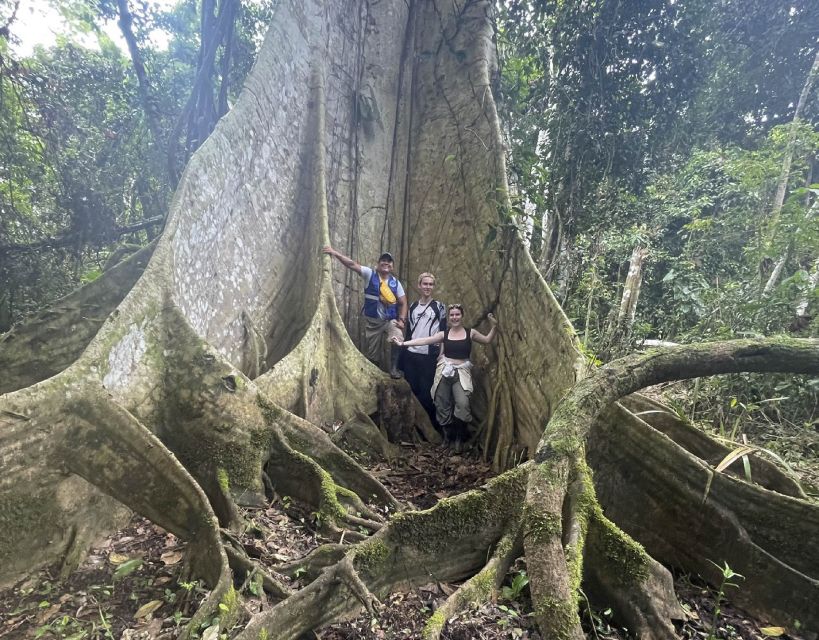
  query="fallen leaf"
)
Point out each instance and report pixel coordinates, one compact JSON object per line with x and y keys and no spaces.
{"x":773,"y":632}
{"x":47,"y":614}
{"x":162,"y":580}
{"x":127,"y":567}
{"x":117,"y":558}
{"x":171,"y":557}
{"x":147,"y":609}
{"x":211,"y":633}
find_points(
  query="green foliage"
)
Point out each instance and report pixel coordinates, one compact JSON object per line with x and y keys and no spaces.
{"x":127,"y":568}
{"x":82,"y":155}
{"x":727,"y":574}
{"x":515,"y":589}
{"x":665,"y":126}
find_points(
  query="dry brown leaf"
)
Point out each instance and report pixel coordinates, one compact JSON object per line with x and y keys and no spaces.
{"x":147,"y":609}
{"x":171,"y":557}
{"x":46,"y":615}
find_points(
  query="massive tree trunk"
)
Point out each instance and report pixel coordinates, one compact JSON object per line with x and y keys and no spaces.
{"x":371,"y":126}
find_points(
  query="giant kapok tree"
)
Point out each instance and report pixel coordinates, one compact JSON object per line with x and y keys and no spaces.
{"x":197,"y":375}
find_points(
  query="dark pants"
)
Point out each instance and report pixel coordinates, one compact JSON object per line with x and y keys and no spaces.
{"x":419,"y":371}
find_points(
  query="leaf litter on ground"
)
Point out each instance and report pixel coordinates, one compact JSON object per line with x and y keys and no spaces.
{"x":150,"y":601}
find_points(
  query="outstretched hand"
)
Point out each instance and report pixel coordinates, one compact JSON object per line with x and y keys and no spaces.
{"x":396,"y":341}
{"x":491,"y":317}
{"x":328,"y":249}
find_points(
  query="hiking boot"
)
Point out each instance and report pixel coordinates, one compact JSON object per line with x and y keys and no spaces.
{"x":395,"y":372}
{"x":460,"y":434}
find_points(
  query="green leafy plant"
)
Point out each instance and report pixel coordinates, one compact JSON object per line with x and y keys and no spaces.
{"x":728,"y":574}
{"x":126,"y":568}
{"x":513,"y":591}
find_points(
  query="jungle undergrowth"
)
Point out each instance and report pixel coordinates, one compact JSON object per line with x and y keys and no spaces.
{"x":148,"y":599}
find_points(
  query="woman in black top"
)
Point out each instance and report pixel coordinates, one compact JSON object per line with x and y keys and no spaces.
{"x":453,"y":379}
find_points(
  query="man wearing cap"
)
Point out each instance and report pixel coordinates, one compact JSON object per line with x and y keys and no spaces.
{"x":385,"y":306}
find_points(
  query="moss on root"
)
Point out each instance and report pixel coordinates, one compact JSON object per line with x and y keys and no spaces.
{"x":229,"y":609}
{"x":463,"y":515}
{"x":330,"y":506}
{"x":587,"y":507}
{"x":371,"y":556}
{"x":541,"y":527}
{"x":270,"y":412}
{"x":434,"y":625}
{"x":482,"y":586}
{"x":562,"y":613}
{"x":223,"y":479}
{"x":240,"y":465}
{"x":623,"y":552}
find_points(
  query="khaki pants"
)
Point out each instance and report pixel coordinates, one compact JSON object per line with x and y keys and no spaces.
{"x":374,"y":332}
{"x":451,"y":399}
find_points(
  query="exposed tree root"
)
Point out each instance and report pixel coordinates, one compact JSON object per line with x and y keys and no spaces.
{"x":618,"y":572}
{"x":53,"y":339}
{"x":560,"y":460}
{"x":242,"y":564}
{"x":313,"y":563}
{"x":691,"y":516}
{"x":693,"y":440}
{"x":480,"y":588}
{"x":451,"y":541}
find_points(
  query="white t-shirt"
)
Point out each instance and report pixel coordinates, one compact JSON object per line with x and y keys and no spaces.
{"x":424,"y":324}
{"x":367,"y":273}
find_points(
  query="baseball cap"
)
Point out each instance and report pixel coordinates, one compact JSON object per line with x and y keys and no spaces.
{"x":386,"y":256}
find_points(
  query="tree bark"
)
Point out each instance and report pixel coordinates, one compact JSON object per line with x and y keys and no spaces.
{"x":784,"y":176}
{"x":216,"y":371}
{"x":126,"y":21}
{"x":782,"y":184}
{"x":804,"y":302}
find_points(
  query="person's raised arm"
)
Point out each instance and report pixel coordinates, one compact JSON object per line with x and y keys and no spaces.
{"x":477,"y":336}
{"x":418,"y":342}
{"x":346,"y":261}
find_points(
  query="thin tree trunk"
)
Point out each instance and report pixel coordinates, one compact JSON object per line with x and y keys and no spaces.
{"x":126,"y":21}
{"x":782,"y":186}
{"x":199,"y":115}
{"x":779,"y":267}
{"x":804,"y":301}
{"x":631,"y":289}
{"x":224,"y":86}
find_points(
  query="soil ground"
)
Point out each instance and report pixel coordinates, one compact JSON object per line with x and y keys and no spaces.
{"x":132,"y":585}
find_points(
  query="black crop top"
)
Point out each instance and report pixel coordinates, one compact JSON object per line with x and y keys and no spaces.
{"x":458,"y":349}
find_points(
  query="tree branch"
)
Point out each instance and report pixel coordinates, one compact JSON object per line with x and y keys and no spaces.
{"x":68,"y":240}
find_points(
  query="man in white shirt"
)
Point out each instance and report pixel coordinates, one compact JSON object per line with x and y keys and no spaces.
{"x":385,"y":306}
{"x":426,"y":317}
